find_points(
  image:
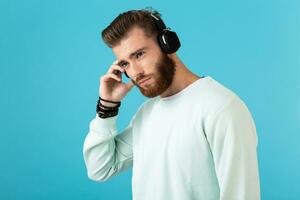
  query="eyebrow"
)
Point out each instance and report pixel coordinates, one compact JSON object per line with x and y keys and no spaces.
{"x":133,"y":54}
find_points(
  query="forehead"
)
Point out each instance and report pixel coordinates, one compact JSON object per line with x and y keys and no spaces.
{"x":135,"y":39}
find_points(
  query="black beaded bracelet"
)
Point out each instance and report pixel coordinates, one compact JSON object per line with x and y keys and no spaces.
{"x":109,"y":101}
{"x":107,"y":115}
{"x":102,"y":107}
{"x":118,"y":103}
{"x":107,"y":111}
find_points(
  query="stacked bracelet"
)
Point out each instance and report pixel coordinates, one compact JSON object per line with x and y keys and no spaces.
{"x":107,"y":111}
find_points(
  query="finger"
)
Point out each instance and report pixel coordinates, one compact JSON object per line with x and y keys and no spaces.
{"x":114,"y":68}
{"x":115,"y":62}
{"x":107,"y":77}
{"x":129,"y":85}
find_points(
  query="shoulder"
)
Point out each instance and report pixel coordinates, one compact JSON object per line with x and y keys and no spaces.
{"x":210,"y":96}
{"x":218,"y":95}
{"x":224,"y":107}
{"x":227,"y":115}
{"x":224,"y":100}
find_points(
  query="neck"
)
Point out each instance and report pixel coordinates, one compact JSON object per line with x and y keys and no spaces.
{"x":182,"y":78}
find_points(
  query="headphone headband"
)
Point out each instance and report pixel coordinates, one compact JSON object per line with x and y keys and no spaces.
{"x":159,"y":23}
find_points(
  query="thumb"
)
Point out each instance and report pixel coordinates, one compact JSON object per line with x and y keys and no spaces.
{"x":129,"y":85}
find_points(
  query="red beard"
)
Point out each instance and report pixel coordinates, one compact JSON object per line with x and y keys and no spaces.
{"x":161,"y":80}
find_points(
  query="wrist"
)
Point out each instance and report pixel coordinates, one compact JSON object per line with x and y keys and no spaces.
{"x":107,"y":104}
{"x":107,"y":108}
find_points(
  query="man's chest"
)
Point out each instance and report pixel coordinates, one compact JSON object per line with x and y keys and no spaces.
{"x":165,"y":141}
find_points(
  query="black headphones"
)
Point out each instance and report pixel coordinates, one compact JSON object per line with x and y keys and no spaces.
{"x":167,"y":39}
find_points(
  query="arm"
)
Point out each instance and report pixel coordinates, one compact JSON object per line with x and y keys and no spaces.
{"x":233,"y":142}
{"x":105,"y":152}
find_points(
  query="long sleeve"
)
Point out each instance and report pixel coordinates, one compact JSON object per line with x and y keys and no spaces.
{"x":105,"y":152}
{"x":233,"y":141}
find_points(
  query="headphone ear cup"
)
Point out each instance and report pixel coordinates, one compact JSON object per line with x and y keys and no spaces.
{"x":169,"y":41}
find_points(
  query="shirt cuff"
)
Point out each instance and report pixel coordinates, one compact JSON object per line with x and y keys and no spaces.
{"x":104,"y":126}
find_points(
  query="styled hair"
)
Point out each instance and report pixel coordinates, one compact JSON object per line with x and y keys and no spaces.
{"x":124,"y":22}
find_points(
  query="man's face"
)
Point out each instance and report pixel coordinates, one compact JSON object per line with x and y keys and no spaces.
{"x":142,"y":59}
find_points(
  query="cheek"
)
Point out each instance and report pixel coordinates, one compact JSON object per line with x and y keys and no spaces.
{"x":149,"y":65}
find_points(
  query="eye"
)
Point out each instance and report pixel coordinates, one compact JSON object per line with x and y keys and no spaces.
{"x":123,"y":64}
{"x":139,"y":54}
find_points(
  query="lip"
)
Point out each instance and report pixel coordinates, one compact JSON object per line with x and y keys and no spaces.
{"x":142,"y":82}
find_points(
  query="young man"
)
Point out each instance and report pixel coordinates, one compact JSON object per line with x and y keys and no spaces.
{"x":192,"y":139}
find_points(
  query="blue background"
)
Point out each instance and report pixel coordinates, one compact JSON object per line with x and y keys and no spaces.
{"x":52,"y":56}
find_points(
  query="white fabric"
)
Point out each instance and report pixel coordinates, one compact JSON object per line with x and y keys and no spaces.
{"x":197,"y":144}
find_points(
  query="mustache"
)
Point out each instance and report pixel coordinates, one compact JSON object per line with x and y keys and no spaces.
{"x":141,"y":77}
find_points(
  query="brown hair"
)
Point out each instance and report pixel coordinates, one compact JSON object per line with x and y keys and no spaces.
{"x":120,"y":26}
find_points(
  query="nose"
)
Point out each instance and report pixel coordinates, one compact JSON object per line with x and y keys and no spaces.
{"x":136,"y":71}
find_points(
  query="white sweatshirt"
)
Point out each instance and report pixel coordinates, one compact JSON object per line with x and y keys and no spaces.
{"x":197,"y":144}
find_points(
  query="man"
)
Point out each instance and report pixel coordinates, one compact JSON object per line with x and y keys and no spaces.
{"x":192,"y":139}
